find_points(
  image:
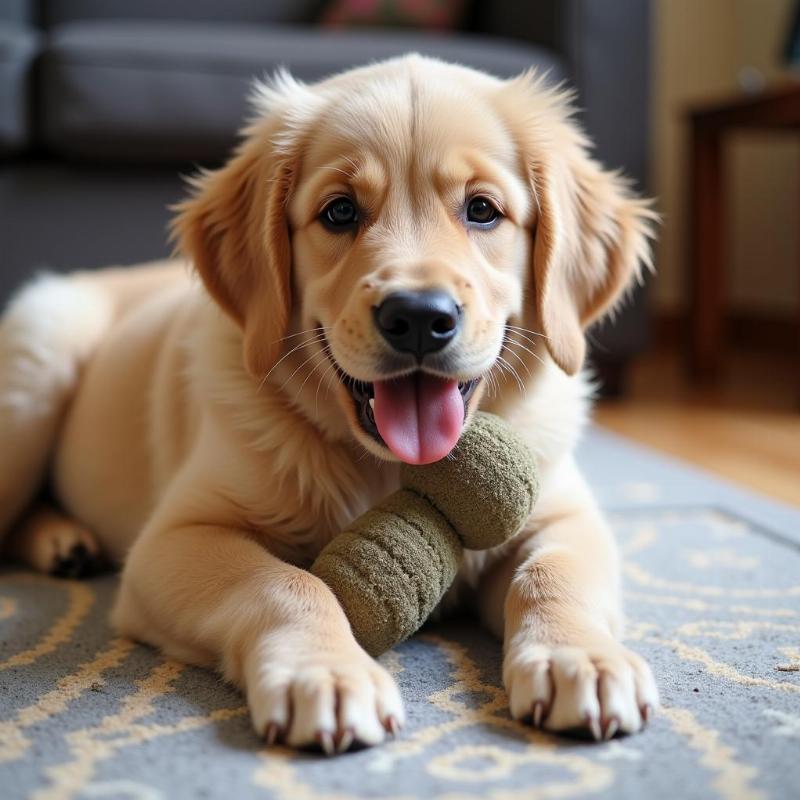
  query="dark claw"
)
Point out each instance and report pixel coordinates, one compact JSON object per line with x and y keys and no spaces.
{"x":326,"y":742}
{"x":345,"y":740}
{"x":80,"y":563}
{"x":392,"y":726}
{"x":593,"y":726}
{"x":611,"y":728}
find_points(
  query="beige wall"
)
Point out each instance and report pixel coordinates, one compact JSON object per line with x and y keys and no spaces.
{"x":700,"y":47}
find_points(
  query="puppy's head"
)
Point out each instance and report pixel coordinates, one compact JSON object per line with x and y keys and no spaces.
{"x":409,"y":234}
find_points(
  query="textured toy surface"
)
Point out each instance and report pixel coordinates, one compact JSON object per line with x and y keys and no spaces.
{"x":392,"y":566}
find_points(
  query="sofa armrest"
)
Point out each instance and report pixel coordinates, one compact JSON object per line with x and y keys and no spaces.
{"x":608,"y":47}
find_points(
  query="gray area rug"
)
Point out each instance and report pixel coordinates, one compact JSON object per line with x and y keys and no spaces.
{"x":713,"y":598}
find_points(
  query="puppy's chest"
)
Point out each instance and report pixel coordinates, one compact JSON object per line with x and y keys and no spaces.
{"x":299,"y":509}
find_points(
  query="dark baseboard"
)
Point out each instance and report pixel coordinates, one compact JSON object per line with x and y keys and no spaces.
{"x":747,"y":329}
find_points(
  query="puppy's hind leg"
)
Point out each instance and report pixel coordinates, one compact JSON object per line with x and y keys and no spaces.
{"x":48,"y":331}
{"x":48,"y":541}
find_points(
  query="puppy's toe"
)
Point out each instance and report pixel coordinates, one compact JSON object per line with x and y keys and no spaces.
{"x":366,"y":710}
{"x":576,"y":706}
{"x":333,"y":705}
{"x":598,"y":691}
{"x":313,"y":701}
{"x":78,"y":562}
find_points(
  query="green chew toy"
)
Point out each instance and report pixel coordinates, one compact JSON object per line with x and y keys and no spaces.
{"x":392,"y":566}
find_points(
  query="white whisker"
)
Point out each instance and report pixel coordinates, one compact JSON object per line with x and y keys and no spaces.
{"x":332,"y":377}
{"x":297,"y":369}
{"x":496,"y":378}
{"x":301,"y":333}
{"x":331,"y":368}
{"x":491,"y":381}
{"x":512,"y":371}
{"x":312,"y":371}
{"x":508,"y":340}
{"x":318,"y":338}
{"x":527,"y":330}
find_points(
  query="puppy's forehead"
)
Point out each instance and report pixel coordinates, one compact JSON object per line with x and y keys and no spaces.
{"x":410,"y":120}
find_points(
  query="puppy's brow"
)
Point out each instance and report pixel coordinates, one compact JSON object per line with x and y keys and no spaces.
{"x":337,"y":169}
{"x":363,"y":176}
{"x":472,"y":169}
{"x":368,"y":178}
{"x":344,"y":165}
{"x":454,"y":174}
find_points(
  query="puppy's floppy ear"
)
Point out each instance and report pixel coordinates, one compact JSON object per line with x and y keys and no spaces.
{"x":235,"y":230}
{"x":591,"y":234}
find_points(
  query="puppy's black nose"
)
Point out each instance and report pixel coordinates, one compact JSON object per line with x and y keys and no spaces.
{"x":418,"y":322}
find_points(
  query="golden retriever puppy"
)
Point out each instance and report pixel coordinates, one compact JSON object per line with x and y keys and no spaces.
{"x":386,"y":252}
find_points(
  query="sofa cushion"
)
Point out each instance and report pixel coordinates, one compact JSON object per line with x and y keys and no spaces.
{"x":18,"y":49}
{"x":57,"y":12}
{"x":442,"y":15}
{"x":23,"y":12}
{"x":172,"y":92}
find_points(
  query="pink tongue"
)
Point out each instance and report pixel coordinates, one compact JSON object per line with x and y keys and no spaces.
{"x":419,"y":417}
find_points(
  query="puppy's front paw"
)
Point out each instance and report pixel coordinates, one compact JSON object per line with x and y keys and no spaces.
{"x":330,"y":699}
{"x":602,"y":688}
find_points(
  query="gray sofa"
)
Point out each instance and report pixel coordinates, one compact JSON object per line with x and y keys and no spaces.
{"x":104,"y":103}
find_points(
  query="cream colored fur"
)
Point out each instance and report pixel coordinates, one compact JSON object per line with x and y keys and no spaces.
{"x":211,"y":448}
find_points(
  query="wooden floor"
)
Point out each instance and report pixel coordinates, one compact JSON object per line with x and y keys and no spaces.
{"x":747,"y":429}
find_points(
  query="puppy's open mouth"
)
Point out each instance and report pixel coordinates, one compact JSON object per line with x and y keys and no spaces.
{"x":419,"y":416}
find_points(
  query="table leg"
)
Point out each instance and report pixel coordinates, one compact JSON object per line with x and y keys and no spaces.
{"x":706,"y":273}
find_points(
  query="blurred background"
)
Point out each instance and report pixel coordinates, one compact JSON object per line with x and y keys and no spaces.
{"x":104,"y":104}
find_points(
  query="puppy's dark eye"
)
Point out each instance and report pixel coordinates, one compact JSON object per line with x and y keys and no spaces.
{"x":340,"y":213}
{"x":481,"y":211}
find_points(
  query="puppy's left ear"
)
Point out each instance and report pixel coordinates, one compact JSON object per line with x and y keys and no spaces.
{"x":591,"y":236}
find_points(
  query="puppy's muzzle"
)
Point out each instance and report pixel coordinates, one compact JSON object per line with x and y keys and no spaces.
{"x":418,"y":322}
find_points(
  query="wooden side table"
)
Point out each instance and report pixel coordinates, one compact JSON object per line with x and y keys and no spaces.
{"x":775,"y":109}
